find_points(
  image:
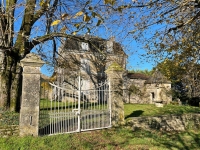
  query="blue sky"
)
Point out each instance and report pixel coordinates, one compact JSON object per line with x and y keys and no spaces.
{"x":134,"y":50}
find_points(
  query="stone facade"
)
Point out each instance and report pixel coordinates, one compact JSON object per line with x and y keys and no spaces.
{"x":9,"y":130}
{"x":89,"y":57}
{"x":147,"y":90}
{"x":134,"y":86}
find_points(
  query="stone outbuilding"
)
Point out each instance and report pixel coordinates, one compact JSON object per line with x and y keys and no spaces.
{"x":145,"y":89}
{"x":158,"y":88}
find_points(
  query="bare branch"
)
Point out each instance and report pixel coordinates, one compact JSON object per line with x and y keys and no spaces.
{"x":43,"y":9}
{"x":183,"y":24}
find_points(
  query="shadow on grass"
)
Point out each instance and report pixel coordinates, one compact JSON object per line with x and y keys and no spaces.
{"x":136,"y":113}
{"x":141,"y":139}
{"x":186,"y":140}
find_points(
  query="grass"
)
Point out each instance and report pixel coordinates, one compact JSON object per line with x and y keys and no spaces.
{"x":47,"y":105}
{"x":136,"y":110}
{"x":121,"y":138}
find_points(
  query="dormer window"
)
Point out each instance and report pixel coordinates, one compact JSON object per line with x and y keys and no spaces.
{"x":109,"y":46}
{"x":84,"y":46}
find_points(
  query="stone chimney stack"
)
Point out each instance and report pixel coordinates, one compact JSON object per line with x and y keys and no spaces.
{"x":110,"y":44}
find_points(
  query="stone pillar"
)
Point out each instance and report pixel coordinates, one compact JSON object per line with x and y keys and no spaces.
{"x":114,"y":74}
{"x":29,"y":112}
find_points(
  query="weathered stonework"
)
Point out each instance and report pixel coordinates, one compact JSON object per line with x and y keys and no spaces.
{"x":10,"y":130}
{"x":114,"y":75}
{"x":29,"y":113}
{"x":148,"y":90}
{"x":166,"y":123}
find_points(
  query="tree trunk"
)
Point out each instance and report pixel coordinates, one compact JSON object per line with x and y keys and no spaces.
{"x":16,"y":87}
{"x":11,"y":81}
{"x":4,"y":92}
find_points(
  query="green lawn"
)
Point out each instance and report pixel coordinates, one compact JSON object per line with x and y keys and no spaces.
{"x":48,"y":105}
{"x":136,"y":110}
{"x":121,"y":138}
{"x":130,"y":110}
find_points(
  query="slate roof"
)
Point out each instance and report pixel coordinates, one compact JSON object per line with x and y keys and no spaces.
{"x":100,"y":43}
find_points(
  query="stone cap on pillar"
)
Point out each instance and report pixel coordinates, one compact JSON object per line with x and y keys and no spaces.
{"x":33,"y":60}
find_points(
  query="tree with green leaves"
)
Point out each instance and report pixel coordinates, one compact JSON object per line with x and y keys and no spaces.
{"x":185,"y":84}
{"x":146,"y":71}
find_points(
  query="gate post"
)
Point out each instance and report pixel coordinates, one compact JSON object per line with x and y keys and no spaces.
{"x":114,"y":74}
{"x":29,"y":112}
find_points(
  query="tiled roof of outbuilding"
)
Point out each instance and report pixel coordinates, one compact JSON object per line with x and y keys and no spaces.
{"x":137,"y":76}
{"x":157,"y":77}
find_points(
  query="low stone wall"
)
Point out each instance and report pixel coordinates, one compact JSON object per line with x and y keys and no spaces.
{"x":9,"y":130}
{"x":166,"y":122}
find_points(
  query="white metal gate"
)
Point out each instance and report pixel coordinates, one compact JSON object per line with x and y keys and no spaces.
{"x":67,"y":111}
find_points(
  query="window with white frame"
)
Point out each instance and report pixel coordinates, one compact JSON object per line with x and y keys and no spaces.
{"x":84,"y":46}
{"x":85,"y":65}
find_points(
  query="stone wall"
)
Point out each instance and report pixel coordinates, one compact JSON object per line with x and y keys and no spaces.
{"x":166,"y":122}
{"x":162,"y":123}
{"x":133,"y":97}
{"x":9,"y":130}
{"x":143,"y":95}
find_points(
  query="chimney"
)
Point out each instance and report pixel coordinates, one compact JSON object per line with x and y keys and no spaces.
{"x":110,"y":43}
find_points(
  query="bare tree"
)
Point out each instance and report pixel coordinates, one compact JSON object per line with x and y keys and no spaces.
{"x":39,"y":25}
{"x":168,"y":30}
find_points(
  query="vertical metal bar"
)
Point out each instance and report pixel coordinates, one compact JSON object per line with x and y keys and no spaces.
{"x":68,"y":116}
{"x":86,"y":116}
{"x":100,"y":103}
{"x":103,"y":107}
{"x":54,"y":111}
{"x":62,"y":115}
{"x":110,"y":107}
{"x":95,"y":107}
{"x":90,"y":112}
{"x":51,"y":109}
{"x":65,"y":111}
{"x":58,"y":111}
{"x":79,"y":103}
{"x":107,"y":107}
{"x":48,"y":108}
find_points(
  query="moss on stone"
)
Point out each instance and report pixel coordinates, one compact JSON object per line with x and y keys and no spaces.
{"x":114,"y":67}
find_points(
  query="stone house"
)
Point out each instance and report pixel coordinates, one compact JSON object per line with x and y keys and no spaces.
{"x":89,"y":57}
{"x":147,"y":90}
